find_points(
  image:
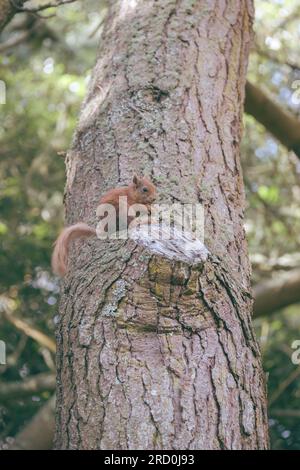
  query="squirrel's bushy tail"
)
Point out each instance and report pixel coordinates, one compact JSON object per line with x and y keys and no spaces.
{"x":61,"y":248}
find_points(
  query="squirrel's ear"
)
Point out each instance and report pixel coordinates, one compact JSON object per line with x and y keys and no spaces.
{"x":136,"y":180}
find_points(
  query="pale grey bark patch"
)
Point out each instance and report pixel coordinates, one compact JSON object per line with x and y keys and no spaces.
{"x":170,"y":242}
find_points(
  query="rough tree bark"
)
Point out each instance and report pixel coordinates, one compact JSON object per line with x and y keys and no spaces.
{"x":155,"y":353}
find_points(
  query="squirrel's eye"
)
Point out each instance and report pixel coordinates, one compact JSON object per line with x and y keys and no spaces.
{"x":145,"y":190}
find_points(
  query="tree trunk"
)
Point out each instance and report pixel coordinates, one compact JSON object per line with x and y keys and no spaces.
{"x":159,"y":353}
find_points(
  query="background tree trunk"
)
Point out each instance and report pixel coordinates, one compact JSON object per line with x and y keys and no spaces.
{"x":7,"y":11}
{"x":153,"y":353}
{"x":38,"y":433}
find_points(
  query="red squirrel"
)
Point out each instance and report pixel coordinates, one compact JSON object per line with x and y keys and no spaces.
{"x":140,"y":191}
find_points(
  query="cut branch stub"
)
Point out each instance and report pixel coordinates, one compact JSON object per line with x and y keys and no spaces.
{"x":171,"y":243}
{"x":173,"y":315}
{"x":181,"y":288}
{"x":171,"y":273}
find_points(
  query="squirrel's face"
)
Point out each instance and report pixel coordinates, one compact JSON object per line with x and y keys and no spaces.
{"x":145,"y":190}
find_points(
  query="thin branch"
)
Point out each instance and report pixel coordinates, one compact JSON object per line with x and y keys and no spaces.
{"x":96,"y":29}
{"x":292,"y":16}
{"x":13,"y":358}
{"x":285,"y":413}
{"x":48,"y":358}
{"x":8,"y":11}
{"x":29,"y":386}
{"x":29,"y":330}
{"x":281,"y":123}
{"x":41,"y":7}
{"x":274,"y":57}
{"x":268,"y":207}
{"x":32,"y":28}
{"x":274,"y":294}
{"x":9,"y":8}
{"x":285,"y":262}
{"x":283,"y":385}
{"x":14,"y":41}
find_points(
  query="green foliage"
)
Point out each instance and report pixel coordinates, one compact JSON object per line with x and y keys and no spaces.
{"x":271,"y":177}
{"x":283,"y":377}
{"x":45,"y":81}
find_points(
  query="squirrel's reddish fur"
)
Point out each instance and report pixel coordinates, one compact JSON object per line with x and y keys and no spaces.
{"x":140,"y":191}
